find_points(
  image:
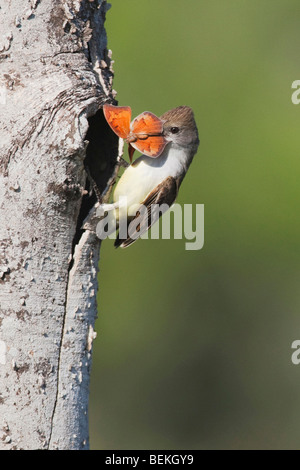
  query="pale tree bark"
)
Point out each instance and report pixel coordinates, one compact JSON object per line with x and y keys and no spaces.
{"x":55,"y":74}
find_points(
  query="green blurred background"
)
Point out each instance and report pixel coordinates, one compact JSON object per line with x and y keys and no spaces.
{"x":194,"y":347}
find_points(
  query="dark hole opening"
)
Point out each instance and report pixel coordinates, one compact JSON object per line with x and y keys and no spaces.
{"x":101,"y":154}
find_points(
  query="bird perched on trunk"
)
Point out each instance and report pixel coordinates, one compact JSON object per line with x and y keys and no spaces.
{"x":169,"y":144}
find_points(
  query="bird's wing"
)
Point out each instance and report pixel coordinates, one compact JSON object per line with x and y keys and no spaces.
{"x":165,"y":193}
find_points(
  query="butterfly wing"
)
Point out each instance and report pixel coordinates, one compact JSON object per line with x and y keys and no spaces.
{"x":118,"y":117}
{"x":152,"y":146}
{"x":147,"y":123}
{"x":148,"y":129}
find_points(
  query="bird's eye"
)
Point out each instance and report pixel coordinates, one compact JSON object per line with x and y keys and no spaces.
{"x":174,"y":130}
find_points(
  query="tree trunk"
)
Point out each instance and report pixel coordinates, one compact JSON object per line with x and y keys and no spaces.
{"x":55,"y":73}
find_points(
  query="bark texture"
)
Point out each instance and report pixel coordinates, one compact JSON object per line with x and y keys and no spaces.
{"x":55,"y":74}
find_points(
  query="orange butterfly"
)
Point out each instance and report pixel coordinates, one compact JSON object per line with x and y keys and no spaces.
{"x":144,"y":133}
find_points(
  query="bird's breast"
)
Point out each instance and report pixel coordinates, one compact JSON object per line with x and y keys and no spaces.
{"x":139,"y":179}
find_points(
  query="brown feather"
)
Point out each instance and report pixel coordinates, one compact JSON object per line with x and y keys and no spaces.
{"x":165,"y":193}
